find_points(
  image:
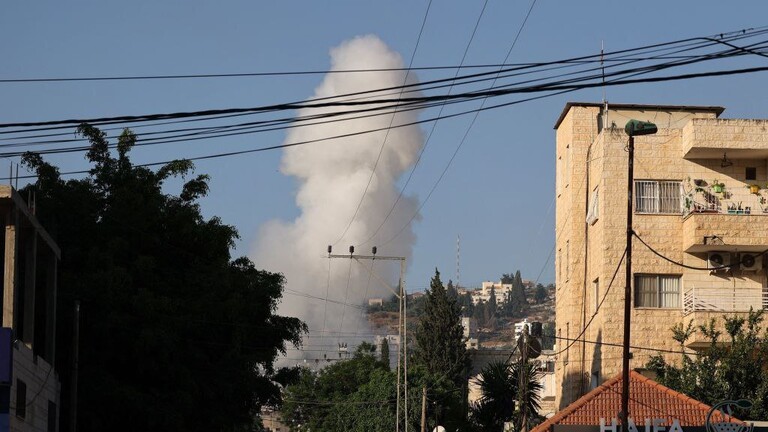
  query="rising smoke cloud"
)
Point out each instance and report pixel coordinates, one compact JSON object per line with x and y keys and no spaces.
{"x":332,"y":176}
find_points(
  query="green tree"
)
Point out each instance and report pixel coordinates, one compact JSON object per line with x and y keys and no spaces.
{"x":507,"y":278}
{"x":517,"y":296}
{"x":541,"y":294}
{"x":439,"y":344}
{"x":384,"y":356}
{"x":732,"y":366}
{"x":492,"y":301}
{"x":440,"y":350}
{"x":350,"y":395}
{"x":465,"y":302}
{"x":451,"y":290}
{"x":500,"y":392}
{"x":480,"y":313}
{"x":173,"y":331}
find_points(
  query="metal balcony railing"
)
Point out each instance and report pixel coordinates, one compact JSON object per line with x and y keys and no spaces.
{"x":733,"y":200}
{"x":709,"y":299}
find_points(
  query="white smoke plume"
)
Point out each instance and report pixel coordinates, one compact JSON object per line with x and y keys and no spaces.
{"x":332,"y":176}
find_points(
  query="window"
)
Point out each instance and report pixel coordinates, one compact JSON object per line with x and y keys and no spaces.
{"x":21,"y":398}
{"x":595,"y":380}
{"x":657,"y":291}
{"x":658,"y":196}
{"x":567,"y":178}
{"x":593,"y":213}
{"x":751,"y":173}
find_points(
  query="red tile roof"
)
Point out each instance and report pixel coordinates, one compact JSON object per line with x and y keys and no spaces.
{"x":647,"y":399}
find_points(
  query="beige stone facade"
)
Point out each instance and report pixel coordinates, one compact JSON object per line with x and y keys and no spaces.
{"x":677,"y":211}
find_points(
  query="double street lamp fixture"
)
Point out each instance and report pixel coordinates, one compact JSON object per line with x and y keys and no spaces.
{"x":633,"y":128}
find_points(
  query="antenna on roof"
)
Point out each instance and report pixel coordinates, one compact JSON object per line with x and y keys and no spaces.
{"x":602,"y":69}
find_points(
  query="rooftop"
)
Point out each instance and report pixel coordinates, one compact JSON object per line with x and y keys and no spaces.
{"x":648,"y":399}
{"x":639,"y":107}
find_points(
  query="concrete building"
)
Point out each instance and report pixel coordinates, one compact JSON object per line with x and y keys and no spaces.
{"x":29,"y":383}
{"x":484,"y":293}
{"x":547,"y":377}
{"x":692,"y":204}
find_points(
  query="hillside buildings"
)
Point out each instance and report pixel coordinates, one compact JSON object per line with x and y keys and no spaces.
{"x":29,"y":384}
{"x":692,"y":204}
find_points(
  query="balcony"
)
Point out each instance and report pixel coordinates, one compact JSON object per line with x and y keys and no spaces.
{"x":731,"y":220}
{"x":711,"y":138}
{"x":709,"y":299}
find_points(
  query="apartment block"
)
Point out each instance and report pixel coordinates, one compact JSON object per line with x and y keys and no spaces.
{"x":699,"y":199}
{"x":29,"y":383}
{"x":483,"y":294}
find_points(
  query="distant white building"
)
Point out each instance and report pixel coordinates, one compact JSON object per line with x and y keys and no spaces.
{"x":484,"y":293}
{"x":376,"y":301}
{"x":519,"y":326}
{"x":546,"y":364}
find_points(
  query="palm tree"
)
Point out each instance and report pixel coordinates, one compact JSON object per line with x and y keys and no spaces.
{"x":500,"y":390}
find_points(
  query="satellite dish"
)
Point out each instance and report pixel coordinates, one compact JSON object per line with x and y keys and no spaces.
{"x":438,"y":429}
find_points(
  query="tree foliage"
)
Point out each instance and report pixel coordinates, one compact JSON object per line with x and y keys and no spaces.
{"x":440,"y":350}
{"x":358,"y":394}
{"x":174,"y":333}
{"x":515,"y":303}
{"x":384,"y":355}
{"x":500,"y":392}
{"x":439,"y":337}
{"x":732,"y":366}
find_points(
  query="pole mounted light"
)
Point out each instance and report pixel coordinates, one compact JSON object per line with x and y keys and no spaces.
{"x":633,"y":128}
{"x":636,"y":128}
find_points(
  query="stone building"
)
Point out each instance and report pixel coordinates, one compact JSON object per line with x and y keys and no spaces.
{"x":484,"y":293}
{"x":692,"y":203}
{"x":29,"y":382}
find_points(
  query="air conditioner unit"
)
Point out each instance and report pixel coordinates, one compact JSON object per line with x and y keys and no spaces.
{"x":751,"y":262}
{"x":718,"y":260}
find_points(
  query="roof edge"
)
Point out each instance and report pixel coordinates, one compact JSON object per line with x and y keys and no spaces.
{"x":715,"y":109}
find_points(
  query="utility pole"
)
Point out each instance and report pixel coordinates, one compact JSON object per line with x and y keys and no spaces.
{"x":424,"y":409}
{"x":75,"y":367}
{"x":632,"y":128}
{"x":402,"y":326}
{"x":523,"y":379}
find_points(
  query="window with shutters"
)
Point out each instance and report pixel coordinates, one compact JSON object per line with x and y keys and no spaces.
{"x":592,"y":213}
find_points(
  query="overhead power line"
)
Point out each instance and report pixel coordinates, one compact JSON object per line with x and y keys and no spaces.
{"x":595,"y":57}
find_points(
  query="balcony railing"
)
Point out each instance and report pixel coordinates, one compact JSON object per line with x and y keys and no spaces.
{"x":710,"y":299}
{"x":737,"y":200}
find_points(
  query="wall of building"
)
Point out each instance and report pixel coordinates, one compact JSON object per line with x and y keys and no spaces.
{"x":588,"y":255}
{"x":42,"y":392}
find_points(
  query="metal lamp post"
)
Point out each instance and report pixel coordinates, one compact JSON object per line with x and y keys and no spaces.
{"x":633,"y":128}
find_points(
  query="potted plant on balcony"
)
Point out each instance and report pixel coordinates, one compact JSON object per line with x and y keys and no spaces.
{"x":717,"y":186}
{"x":754,"y":188}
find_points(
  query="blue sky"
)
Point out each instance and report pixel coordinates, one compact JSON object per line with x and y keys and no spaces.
{"x":499,"y":191}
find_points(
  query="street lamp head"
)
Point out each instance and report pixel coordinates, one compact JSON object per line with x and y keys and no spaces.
{"x":637,"y":127}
